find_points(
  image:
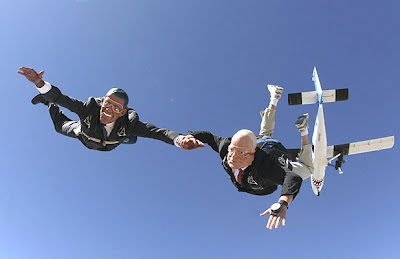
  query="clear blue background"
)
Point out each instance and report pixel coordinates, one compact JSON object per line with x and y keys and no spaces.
{"x":195,"y":65}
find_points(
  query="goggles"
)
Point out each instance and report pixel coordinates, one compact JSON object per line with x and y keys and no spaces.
{"x":117,"y":107}
{"x":240,"y":151}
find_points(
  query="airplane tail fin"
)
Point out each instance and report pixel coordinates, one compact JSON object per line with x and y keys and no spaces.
{"x":328,"y":96}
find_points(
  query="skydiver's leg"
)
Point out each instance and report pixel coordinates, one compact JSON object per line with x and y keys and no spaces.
{"x":268,"y":115}
{"x":267,"y":121}
{"x":305,"y":166}
{"x":62,"y":123}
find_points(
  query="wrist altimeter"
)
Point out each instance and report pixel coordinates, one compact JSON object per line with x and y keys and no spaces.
{"x":277,"y":207}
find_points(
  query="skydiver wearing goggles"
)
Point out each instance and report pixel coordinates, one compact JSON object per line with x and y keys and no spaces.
{"x":104,"y":123}
{"x":257,"y":165}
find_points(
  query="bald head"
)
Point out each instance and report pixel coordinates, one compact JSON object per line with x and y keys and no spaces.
{"x":245,"y":138}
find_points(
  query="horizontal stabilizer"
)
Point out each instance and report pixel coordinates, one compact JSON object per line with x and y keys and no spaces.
{"x":328,"y":96}
{"x":361,"y":147}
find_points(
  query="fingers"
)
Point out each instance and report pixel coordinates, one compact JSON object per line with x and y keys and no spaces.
{"x":268,"y":211}
{"x":41,"y":74}
{"x":277,"y":222}
{"x":26,"y":69}
{"x":200,"y":144}
{"x":189,"y":142}
{"x":22,"y":70}
{"x":271,"y":222}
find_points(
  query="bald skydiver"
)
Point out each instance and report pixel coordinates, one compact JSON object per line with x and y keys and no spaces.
{"x":104,"y":123}
{"x":257,"y":165}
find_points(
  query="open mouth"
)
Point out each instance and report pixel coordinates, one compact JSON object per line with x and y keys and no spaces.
{"x":106,"y":114}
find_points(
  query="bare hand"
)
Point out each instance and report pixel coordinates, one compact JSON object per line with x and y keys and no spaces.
{"x":189,"y":142}
{"x":275,"y":220}
{"x":31,"y":74}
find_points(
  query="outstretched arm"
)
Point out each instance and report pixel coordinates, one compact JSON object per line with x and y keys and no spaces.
{"x":216,"y":142}
{"x":52,"y":93}
{"x":290,"y":188}
{"x":148,"y":130}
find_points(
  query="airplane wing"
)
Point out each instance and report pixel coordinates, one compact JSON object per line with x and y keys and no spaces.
{"x":328,"y":96}
{"x":360,"y":147}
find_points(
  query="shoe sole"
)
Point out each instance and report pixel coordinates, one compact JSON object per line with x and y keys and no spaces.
{"x":302,"y":121}
{"x":275,"y":91}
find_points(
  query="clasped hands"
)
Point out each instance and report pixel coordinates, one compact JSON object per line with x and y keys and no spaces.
{"x":189,"y":142}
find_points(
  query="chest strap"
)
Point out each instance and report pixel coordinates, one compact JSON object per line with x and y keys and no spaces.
{"x":103,"y":142}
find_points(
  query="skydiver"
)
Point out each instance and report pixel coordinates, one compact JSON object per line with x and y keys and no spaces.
{"x":104,"y":123}
{"x":257,"y":165}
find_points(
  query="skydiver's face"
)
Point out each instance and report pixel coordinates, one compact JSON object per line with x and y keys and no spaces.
{"x":240,"y":152}
{"x":111,"y":109}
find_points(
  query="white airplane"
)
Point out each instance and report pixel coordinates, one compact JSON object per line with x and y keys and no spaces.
{"x":321,"y":151}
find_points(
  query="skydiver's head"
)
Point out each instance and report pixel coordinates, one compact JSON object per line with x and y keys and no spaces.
{"x":113,"y":105}
{"x":242,"y":149}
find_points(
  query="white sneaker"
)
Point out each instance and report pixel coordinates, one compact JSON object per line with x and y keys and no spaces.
{"x":275,"y":91}
{"x":302,"y":122}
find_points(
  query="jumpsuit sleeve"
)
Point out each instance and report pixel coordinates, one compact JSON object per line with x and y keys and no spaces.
{"x":217,"y":143}
{"x":291,"y":184}
{"x":54,"y":95}
{"x":148,"y":130}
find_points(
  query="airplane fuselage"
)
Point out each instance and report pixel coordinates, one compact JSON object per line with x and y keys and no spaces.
{"x":319,"y":141}
{"x":320,"y":160}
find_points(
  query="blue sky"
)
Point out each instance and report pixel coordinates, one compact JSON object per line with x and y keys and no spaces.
{"x":195,"y":65}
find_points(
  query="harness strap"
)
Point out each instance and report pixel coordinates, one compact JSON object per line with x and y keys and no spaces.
{"x":290,"y":166}
{"x":268,"y":142}
{"x":103,"y":142}
{"x":267,"y":138}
